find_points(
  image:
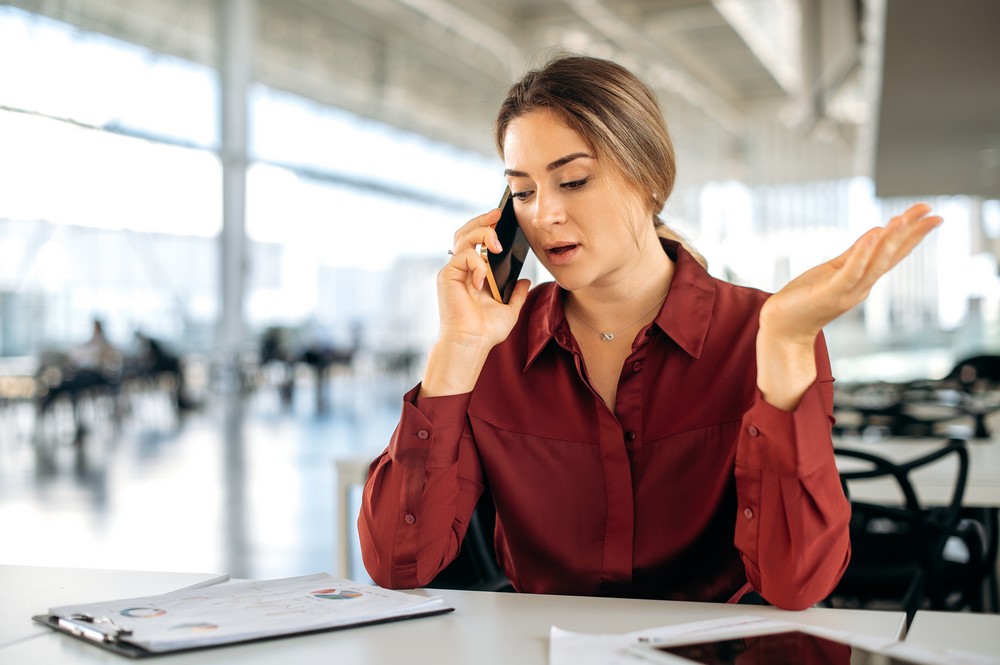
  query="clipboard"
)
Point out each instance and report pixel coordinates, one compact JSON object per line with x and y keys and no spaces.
{"x":136,"y":627}
{"x":86,"y":627}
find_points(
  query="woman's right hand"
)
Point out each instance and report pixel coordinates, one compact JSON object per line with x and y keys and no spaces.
{"x":472,"y":322}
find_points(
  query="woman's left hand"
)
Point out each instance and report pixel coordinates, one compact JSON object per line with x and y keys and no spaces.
{"x":792,"y":318}
{"x":800,"y":310}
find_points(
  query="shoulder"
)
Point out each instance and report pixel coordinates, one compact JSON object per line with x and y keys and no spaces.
{"x":739,"y":296}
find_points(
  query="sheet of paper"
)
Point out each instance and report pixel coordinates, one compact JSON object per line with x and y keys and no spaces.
{"x":249,"y":610}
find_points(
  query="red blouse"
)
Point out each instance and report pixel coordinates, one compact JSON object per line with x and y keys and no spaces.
{"x":691,"y":488}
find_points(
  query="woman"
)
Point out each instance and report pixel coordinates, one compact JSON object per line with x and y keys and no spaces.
{"x":644,"y":429}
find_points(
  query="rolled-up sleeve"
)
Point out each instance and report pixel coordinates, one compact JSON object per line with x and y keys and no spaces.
{"x":420,"y":493}
{"x":792,"y":516}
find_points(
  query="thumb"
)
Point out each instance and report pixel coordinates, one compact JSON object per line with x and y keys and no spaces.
{"x":519,"y":295}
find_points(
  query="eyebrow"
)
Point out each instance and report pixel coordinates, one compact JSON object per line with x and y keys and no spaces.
{"x":562,"y":161}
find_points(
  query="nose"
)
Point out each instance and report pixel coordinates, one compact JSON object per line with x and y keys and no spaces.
{"x":549,"y":209}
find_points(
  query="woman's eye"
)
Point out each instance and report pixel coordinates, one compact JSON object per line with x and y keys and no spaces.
{"x":576,"y":184}
{"x":520,"y":196}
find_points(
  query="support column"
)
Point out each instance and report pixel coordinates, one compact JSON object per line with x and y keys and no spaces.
{"x":237,"y":24}
{"x":237,"y":21}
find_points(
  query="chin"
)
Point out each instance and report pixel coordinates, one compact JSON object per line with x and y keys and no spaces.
{"x":568,"y":283}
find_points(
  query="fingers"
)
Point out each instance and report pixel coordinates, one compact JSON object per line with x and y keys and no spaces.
{"x":854,"y":264}
{"x":881,"y":248}
{"x":902,"y":234}
{"x":478,"y":231}
{"x":914,"y":225}
{"x":466,"y":265}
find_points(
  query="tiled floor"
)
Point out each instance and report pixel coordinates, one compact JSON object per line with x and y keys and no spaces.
{"x":247,"y":489}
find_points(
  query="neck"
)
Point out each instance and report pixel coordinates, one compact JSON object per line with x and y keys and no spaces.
{"x":616,"y":322}
{"x":610,"y":305}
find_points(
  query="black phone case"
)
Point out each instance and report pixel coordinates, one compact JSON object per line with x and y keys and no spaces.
{"x":506,"y":266}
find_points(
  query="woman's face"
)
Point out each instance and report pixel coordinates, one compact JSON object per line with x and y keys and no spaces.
{"x":586,"y":224}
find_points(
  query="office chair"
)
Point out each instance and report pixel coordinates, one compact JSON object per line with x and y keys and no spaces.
{"x":475,"y":567}
{"x":977,"y":372}
{"x":899,"y":552}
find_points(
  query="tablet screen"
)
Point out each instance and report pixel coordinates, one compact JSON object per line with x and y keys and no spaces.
{"x":790,"y":648}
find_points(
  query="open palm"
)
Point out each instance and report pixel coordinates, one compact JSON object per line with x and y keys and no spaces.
{"x":818,"y":296}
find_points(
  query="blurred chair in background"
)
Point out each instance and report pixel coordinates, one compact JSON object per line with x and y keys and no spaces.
{"x":910,"y":556}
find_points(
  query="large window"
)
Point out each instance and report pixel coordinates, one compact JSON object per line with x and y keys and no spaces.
{"x":111,"y":201}
{"x":110,"y":206}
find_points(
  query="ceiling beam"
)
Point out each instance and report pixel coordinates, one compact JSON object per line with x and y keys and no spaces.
{"x":662,"y":68}
{"x":491,"y":39}
{"x":760,"y":44}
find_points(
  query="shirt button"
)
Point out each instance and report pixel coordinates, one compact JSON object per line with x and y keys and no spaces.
{"x":630,"y":435}
{"x":409,"y":518}
{"x":423,"y":434}
{"x":748,"y":513}
{"x":752,"y":430}
{"x":637,"y":366}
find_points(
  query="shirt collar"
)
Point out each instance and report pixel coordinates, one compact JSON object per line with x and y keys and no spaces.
{"x":684,"y":316}
{"x":687,"y":311}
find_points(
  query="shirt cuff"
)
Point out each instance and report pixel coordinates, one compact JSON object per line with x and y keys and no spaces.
{"x":430,"y":429}
{"x":789,"y":443}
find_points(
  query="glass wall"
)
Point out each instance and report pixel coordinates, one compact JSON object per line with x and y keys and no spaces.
{"x":110,"y":207}
{"x":111,"y":203}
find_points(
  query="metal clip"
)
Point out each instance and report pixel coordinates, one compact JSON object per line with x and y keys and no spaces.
{"x":87,"y":626}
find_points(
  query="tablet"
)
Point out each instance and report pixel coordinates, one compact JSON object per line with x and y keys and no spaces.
{"x":786,"y":648}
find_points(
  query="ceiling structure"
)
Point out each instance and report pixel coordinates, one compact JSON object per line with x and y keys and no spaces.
{"x":441,"y":67}
{"x":939,"y":114}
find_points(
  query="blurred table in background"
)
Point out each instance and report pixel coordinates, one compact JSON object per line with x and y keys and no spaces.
{"x":936,"y":482}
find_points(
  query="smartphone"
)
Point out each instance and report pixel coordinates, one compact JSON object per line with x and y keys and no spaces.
{"x":504,"y":268}
{"x":787,"y":648}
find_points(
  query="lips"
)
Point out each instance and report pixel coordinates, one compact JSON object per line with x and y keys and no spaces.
{"x":561,"y":253}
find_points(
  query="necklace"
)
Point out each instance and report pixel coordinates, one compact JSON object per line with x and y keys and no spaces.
{"x":610,"y":336}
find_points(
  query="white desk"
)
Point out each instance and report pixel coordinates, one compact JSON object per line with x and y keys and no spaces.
{"x":29,"y":590}
{"x":484,"y":628}
{"x":976,"y":633}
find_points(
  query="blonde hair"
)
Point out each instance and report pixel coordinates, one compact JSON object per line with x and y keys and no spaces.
{"x":615,"y":113}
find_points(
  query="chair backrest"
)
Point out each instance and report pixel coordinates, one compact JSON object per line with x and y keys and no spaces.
{"x":983,"y":369}
{"x":475,"y":566}
{"x":924,"y":530}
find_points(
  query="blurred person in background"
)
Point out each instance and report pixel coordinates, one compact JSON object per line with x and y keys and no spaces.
{"x":155,"y":361}
{"x":97,"y":354}
{"x":95,"y":366}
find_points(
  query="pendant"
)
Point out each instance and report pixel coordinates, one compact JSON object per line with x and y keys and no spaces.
{"x":607,"y":337}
